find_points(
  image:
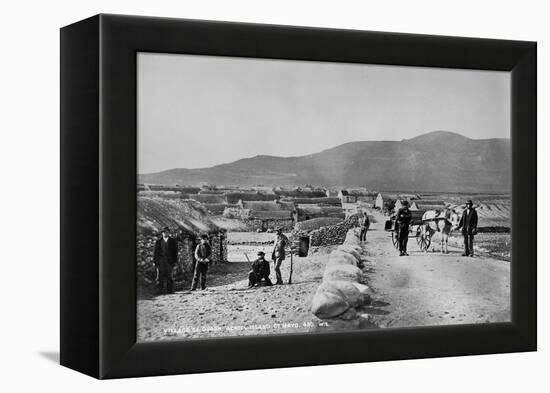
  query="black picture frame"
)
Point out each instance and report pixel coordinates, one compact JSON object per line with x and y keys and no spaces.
{"x":98,"y":188}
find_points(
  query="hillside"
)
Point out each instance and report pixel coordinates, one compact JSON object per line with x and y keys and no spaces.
{"x":438,"y":161}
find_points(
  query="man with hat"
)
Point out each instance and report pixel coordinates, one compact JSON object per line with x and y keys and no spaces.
{"x":468,"y":223}
{"x":259,"y":275}
{"x":402,"y":221}
{"x":365,"y":224}
{"x":165,"y":258}
{"x":203,"y":252}
{"x":278,"y":254}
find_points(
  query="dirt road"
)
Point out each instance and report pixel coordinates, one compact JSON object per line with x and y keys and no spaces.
{"x":434,"y":289}
{"x":228,"y":308}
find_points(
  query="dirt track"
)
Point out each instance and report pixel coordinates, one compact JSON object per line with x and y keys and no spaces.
{"x":228,"y":308}
{"x":419,"y":290}
{"x":434,"y":289}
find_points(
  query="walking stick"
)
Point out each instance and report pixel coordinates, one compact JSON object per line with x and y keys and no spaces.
{"x":291,"y":263}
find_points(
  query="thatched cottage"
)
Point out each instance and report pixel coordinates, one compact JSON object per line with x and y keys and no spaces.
{"x":324,"y":201}
{"x":306,"y":212}
{"x":187,"y":220}
{"x":354,"y":195}
{"x":264,"y":215}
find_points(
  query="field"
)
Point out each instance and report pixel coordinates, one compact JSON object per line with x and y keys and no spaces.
{"x":496,"y":245}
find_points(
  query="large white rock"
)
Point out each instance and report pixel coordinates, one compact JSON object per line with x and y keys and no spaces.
{"x":351,"y":250}
{"x":342,"y":272}
{"x":345,"y":289}
{"x":327,"y":304}
{"x":337,"y":260}
{"x":364,"y":291}
{"x":344,"y":255}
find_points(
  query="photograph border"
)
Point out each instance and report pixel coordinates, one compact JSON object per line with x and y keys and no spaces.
{"x":99,"y":178}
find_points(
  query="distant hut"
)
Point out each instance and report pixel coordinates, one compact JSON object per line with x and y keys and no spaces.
{"x":385,"y":202}
{"x":235,"y":197}
{"x":187,"y":220}
{"x":208,"y":198}
{"x":175,"y":188}
{"x":325,"y":201}
{"x":307,"y":212}
{"x":263,"y":215}
{"x":217,"y":209}
{"x":354,"y":195}
{"x":301,"y":193}
{"x":422,"y":205}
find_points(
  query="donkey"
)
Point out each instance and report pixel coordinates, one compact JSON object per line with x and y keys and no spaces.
{"x":441,"y":221}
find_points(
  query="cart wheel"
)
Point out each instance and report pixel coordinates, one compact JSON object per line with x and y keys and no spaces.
{"x":394,"y":239}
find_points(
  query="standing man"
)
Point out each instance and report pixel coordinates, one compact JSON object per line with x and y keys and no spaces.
{"x":260,"y":272}
{"x":278,"y":254}
{"x":365,"y":224}
{"x":203,"y":251}
{"x":468,"y":223}
{"x":165,"y":258}
{"x":402,"y":221}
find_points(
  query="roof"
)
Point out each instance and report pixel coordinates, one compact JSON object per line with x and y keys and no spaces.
{"x":278,"y":215}
{"x":217,"y":208}
{"x":361,"y":192}
{"x":301,"y":193}
{"x":317,"y":223}
{"x":207,"y":198}
{"x":267,"y":205}
{"x":424,"y":206}
{"x":211,"y":192}
{"x":234,"y":197}
{"x":316,"y":201}
{"x":153,"y":214}
{"x":183,"y":189}
{"x":314,"y":211}
{"x":431,"y":202}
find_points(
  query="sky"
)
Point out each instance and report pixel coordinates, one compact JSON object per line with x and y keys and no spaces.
{"x":199,"y":111}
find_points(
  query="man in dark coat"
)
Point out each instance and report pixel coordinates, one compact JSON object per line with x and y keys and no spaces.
{"x":468,"y":223}
{"x":259,"y":275}
{"x":203,"y":252}
{"x":365,"y":224}
{"x":402,"y":222}
{"x":165,"y":258}
{"x":278,"y":254}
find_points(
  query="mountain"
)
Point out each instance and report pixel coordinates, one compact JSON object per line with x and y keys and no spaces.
{"x":437,"y":161}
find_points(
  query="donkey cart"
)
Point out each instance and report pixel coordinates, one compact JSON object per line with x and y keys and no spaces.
{"x":415,"y":228}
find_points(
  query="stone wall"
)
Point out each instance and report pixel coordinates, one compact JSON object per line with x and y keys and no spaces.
{"x":329,"y":235}
{"x":344,"y":291}
{"x":186,"y":260}
{"x":269,"y":225}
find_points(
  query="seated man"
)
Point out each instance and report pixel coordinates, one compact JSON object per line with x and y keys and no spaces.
{"x":259,"y":276}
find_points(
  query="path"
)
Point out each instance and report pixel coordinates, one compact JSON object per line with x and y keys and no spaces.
{"x":434,"y":289}
{"x":228,"y":308}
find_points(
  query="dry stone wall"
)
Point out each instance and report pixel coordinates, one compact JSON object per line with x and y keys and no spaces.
{"x":344,"y":290}
{"x":330,"y":235}
{"x":186,"y":248}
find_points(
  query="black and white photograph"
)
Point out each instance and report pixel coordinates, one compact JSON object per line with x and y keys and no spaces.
{"x":282,"y":196}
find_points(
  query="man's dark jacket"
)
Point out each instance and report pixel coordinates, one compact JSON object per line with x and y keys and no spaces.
{"x":166,"y":255}
{"x":468,"y":222}
{"x":260,"y":267}
{"x":403,"y":219}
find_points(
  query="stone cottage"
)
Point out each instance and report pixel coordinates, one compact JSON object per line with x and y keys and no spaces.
{"x":187,"y":220}
{"x":264,"y":216}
